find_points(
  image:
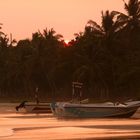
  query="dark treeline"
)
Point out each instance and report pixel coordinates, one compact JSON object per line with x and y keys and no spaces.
{"x":106,"y":58}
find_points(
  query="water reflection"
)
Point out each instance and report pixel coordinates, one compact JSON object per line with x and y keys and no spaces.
{"x":15,"y":126}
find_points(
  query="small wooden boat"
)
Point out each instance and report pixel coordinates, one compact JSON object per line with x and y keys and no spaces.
{"x":35,"y":107}
{"x":38,"y":108}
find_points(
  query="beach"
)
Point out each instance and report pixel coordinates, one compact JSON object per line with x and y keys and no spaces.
{"x":20,"y":125}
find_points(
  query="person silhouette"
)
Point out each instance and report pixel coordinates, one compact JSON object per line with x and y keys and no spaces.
{"x":36,"y":95}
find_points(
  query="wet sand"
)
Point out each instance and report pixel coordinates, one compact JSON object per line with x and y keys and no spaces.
{"x":22,"y":126}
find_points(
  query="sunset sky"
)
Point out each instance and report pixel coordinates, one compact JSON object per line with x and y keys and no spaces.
{"x":23,"y":17}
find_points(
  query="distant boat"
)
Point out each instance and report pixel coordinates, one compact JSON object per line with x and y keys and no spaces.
{"x":38,"y":108}
{"x":82,"y":109}
{"x":96,"y":110}
{"x":35,"y":107}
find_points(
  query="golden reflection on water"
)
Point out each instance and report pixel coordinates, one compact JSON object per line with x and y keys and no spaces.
{"x":22,"y":126}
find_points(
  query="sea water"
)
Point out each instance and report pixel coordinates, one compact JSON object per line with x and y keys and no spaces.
{"x":22,"y":126}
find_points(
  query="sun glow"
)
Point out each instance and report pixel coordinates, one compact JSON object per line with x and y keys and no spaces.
{"x":67,"y":41}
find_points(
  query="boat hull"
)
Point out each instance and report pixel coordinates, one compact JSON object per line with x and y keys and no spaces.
{"x":92,"y":111}
{"x":38,"y":108}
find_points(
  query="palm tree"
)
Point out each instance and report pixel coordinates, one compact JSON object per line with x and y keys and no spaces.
{"x":109,"y":27}
{"x":1,"y":33}
{"x":98,"y":44}
{"x":130,"y":34}
{"x":3,"y":38}
{"x":51,"y":34}
{"x":130,"y":22}
{"x":132,"y":18}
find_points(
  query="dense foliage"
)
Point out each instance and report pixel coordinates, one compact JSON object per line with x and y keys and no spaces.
{"x":106,"y":58}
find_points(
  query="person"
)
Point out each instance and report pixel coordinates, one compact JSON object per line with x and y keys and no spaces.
{"x":36,"y":95}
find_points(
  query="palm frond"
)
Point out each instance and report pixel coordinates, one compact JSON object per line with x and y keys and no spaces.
{"x":126,"y":6}
{"x":94,"y":25}
{"x":107,"y":20}
{"x":132,"y":8}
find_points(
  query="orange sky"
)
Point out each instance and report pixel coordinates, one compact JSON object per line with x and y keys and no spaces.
{"x":23,"y":17}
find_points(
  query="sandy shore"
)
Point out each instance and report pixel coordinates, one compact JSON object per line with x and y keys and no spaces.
{"x":21,"y":126}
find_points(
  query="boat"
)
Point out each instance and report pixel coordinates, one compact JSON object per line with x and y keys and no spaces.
{"x":35,"y":107}
{"x":32,"y":107}
{"x":82,"y":109}
{"x":38,"y":108}
{"x":95,"y":110}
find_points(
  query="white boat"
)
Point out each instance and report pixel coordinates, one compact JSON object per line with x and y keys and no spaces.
{"x":82,"y":109}
{"x":30,"y":107}
{"x":96,"y":110}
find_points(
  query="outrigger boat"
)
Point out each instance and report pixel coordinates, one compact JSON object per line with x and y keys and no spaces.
{"x":38,"y":108}
{"x":35,"y":107}
{"x":93,"y":110}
